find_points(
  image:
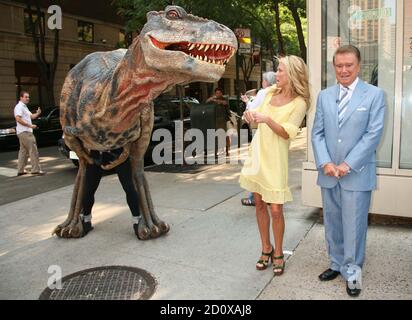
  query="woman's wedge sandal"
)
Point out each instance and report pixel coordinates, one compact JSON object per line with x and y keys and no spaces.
{"x":263,"y":264}
{"x":278,"y":268}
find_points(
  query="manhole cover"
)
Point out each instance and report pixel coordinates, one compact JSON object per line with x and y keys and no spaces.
{"x":104,"y":283}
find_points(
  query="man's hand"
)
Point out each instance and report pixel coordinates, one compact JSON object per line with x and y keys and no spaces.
{"x":38,"y":111}
{"x":330,"y":170}
{"x":33,"y":126}
{"x":343,"y":169}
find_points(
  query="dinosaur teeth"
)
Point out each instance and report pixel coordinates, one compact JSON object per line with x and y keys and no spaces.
{"x":201,"y":46}
{"x":212,"y":46}
{"x":207,"y":47}
{"x":192,"y":46}
{"x":217,"y":47}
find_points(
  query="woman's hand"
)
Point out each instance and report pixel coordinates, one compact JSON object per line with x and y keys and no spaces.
{"x":260,"y":118}
{"x":248,"y":116}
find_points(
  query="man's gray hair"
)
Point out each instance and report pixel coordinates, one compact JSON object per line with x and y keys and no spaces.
{"x":270,"y":77}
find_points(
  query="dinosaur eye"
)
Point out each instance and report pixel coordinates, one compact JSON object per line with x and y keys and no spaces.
{"x":173,"y":14}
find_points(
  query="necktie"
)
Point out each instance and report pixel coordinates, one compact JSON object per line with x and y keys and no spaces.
{"x":343,"y":104}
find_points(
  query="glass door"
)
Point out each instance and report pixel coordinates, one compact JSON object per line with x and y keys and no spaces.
{"x":405,"y":161}
{"x":371,"y":26}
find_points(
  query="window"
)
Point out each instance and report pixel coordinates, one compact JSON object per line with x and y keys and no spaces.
{"x":85,"y":31}
{"x":406,"y":124}
{"x":372,"y":29}
{"x":35,"y":17}
{"x":28,"y":79}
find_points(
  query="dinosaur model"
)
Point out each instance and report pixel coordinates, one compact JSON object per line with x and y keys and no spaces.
{"x":106,"y":100}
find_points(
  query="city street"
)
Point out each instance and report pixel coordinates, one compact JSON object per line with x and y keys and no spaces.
{"x":60,"y":173}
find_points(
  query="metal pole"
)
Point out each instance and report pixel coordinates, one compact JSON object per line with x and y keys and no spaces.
{"x":238,"y":96}
{"x":180,"y":90}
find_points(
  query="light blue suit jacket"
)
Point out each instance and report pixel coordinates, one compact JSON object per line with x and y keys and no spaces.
{"x":355,"y":142}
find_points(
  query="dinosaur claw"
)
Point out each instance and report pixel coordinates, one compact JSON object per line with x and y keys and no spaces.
{"x":155,"y":232}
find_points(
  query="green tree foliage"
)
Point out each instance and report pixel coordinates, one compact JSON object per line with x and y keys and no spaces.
{"x":258,"y":15}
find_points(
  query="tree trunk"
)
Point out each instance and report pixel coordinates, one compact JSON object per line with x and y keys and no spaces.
{"x":294,"y":10}
{"x":281,"y":45}
{"x":47,"y":70}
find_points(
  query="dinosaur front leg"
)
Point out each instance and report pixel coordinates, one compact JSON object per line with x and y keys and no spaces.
{"x":72,"y":227}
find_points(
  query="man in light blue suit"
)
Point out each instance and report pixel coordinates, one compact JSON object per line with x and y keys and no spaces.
{"x":346,"y":132}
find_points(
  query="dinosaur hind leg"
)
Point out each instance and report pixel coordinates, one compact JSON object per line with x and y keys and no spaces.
{"x":72,"y":227}
{"x":150,"y":226}
{"x":163,"y":226}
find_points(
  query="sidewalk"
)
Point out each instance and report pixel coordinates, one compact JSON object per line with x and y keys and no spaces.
{"x":211,"y":250}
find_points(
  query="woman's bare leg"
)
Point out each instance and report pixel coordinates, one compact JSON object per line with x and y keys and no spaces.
{"x":278,"y":226}
{"x":263,"y":221}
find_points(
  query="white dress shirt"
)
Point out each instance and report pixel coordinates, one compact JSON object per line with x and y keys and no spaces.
{"x":350,"y":91}
{"x":21,"y":110}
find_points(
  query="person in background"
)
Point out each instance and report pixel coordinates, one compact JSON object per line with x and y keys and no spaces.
{"x":24,"y":130}
{"x":268,"y":80}
{"x":218,"y":98}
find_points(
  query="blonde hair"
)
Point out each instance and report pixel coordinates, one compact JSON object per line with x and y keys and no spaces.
{"x":298,"y":75}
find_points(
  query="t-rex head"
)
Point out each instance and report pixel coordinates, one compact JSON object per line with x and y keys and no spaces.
{"x":178,"y":42}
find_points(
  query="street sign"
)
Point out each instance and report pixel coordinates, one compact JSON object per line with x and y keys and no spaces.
{"x":245,"y":41}
{"x":242,"y":33}
{"x":245,"y":48}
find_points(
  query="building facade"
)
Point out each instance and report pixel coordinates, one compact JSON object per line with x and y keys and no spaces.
{"x":382,"y":30}
{"x":80,"y":35}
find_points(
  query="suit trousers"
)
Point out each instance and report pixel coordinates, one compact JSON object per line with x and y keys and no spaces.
{"x":346,"y":222}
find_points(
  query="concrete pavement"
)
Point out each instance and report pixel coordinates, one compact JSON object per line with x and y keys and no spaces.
{"x":210,"y":252}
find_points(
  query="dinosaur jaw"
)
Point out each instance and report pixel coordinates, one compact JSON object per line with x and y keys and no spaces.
{"x":215,"y":54}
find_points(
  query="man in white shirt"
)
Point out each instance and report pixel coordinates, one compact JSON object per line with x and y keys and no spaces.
{"x":24,"y":130}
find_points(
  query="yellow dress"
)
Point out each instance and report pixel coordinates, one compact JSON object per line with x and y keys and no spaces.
{"x":265,"y":170}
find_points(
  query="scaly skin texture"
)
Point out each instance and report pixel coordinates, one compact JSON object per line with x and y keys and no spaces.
{"x":106,"y":100}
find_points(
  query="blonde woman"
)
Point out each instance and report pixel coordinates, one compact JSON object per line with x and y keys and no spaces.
{"x":265,"y":171}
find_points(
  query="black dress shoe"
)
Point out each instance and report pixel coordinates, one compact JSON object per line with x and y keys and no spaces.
{"x":352,"y":292}
{"x":328,"y":275}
